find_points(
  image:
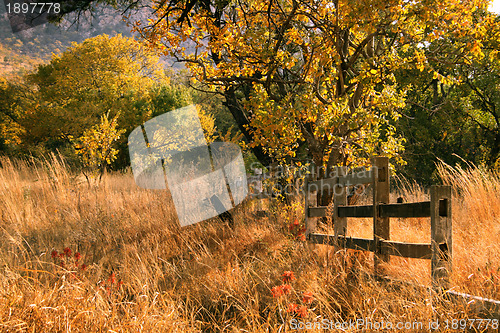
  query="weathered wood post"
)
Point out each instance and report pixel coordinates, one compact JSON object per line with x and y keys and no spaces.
{"x":339,"y":199}
{"x":306,"y":203}
{"x":381,"y":225}
{"x":255,"y":184}
{"x":441,"y":236}
{"x":310,"y":191}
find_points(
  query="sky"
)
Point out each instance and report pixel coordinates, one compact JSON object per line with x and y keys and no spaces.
{"x":495,"y":6}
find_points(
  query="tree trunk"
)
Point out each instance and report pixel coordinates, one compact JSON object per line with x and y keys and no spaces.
{"x":495,"y":150}
{"x":325,"y":198}
{"x":243,"y":122}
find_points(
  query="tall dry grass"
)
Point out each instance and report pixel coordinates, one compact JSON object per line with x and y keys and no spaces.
{"x":208,"y":277}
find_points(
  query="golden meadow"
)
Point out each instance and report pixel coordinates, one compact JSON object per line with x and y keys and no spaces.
{"x":111,"y":258}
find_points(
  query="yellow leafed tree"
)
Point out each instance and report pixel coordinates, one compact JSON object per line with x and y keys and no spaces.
{"x":96,"y":147}
{"x":102,"y":74}
{"x":312,"y":76}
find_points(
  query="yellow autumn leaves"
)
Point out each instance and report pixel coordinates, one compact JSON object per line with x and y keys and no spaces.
{"x":316,"y":71}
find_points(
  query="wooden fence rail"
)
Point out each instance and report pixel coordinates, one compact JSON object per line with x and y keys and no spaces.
{"x":438,"y":209}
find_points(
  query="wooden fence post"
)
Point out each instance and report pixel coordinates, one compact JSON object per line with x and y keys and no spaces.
{"x":306,"y":204}
{"x":441,"y":236}
{"x":381,"y":225}
{"x":310,"y":200}
{"x":339,"y":199}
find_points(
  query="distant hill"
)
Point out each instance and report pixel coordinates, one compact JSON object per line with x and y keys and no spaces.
{"x":23,"y":50}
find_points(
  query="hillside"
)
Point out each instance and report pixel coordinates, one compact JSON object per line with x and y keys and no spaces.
{"x":21,"y":51}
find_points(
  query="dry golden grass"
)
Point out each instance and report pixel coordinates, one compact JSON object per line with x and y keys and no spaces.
{"x":207,"y":277}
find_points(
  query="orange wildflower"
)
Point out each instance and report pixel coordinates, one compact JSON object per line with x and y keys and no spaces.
{"x":302,"y":311}
{"x":112,"y":278}
{"x":286,"y":288}
{"x":292,"y":307}
{"x":288,"y":276}
{"x":277,"y":291}
{"x":308,"y":298}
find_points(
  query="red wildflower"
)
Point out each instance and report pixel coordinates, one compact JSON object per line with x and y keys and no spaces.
{"x":292,"y":308}
{"x":120,"y":283}
{"x":112,"y":278}
{"x":61,"y":255}
{"x":301,"y":237}
{"x":294,"y":225}
{"x":61,"y":264}
{"x":78,"y":255}
{"x":288,"y":276}
{"x":54,"y":254}
{"x":308,"y":298}
{"x":277,"y":291}
{"x":83,"y":266}
{"x":299,"y":310}
{"x":302,"y":311}
{"x":67,"y":251}
{"x":286,"y":288}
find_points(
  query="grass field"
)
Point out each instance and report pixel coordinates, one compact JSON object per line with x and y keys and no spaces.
{"x":111,"y":258}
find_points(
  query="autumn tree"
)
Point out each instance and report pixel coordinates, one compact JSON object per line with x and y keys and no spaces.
{"x":451,"y":111}
{"x":479,"y":98}
{"x":103,"y":74}
{"x":96,"y":147}
{"x":62,"y":100}
{"x":323,"y":77}
{"x":11,"y":104}
{"x":309,"y":73}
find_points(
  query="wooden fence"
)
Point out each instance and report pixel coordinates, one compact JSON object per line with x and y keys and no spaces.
{"x":439,"y":250}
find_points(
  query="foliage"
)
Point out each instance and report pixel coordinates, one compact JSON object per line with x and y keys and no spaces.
{"x":67,"y":97}
{"x":170,"y":97}
{"x":452,"y":107}
{"x":288,"y":74}
{"x":103,"y":74}
{"x":479,"y":100}
{"x":318,"y":74}
{"x":10,"y":111}
{"x":95,"y":147}
{"x":212,"y":104}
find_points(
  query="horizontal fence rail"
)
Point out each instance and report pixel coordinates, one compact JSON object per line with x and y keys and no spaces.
{"x":401,"y":249}
{"x":402,"y":210}
{"x":438,"y":209}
